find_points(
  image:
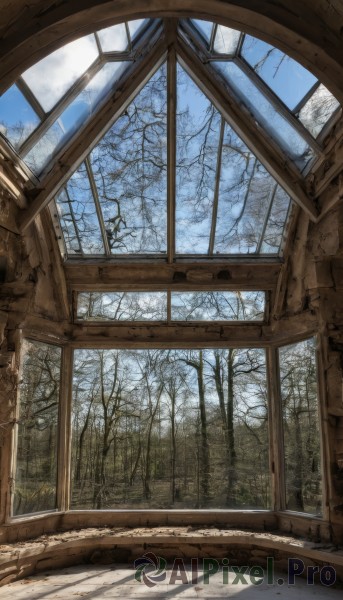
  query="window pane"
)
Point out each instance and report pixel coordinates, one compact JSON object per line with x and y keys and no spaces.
{"x":130,"y":171}
{"x":245,"y":192}
{"x":198,"y":128}
{"x":289,"y":80}
{"x":218,"y":306}
{"x":52,"y":77}
{"x":298,"y":374}
{"x":136,"y":26}
{"x":77,"y":206}
{"x":17,"y":117}
{"x":170,"y":429}
{"x":318,"y":110}
{"x":265,"y":113}
{"x":74,"y":116}
{"x":122,"y":306}
{"x":226,"y":40}
{"x":205,"y":28}
{"x":274,"y":233}
{"x":113,"y":39}
{"x":36,"y":468}
{"x":68,"y":222}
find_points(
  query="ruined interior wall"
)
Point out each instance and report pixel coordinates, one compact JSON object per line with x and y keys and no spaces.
{"x":312,"y":290}
{"x":31,"y":294}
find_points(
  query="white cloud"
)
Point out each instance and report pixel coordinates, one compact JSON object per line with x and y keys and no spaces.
{"x":51,"y":77}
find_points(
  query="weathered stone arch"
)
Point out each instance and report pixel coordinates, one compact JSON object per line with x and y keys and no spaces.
{"x":306,"y":30}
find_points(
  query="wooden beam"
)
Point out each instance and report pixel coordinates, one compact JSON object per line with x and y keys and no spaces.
{"x":82,"y":276}
{"x":242,"y":122}
{"x":276,"y":431}
{"x":64,"y":428}
{"x":162,"y":335}
{"x":216,"y":189}
{"x":171,"y":153}
{"x":331,"y":196}
{"x":79,"y":148}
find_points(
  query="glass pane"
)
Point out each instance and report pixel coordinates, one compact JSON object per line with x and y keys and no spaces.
{"x":74,"y":116}
{"x":79,"y":215}
{"x":153,"y":429}
{"x":226,"y":40}
{"x":135,"y":27}
{"x":245,"y":193}
{"x":289,"y":80}
{"x":318,"y":110}
{"x":298,"y":374}
{"x":130,"y":170}
{"x":276,"y":223}
{"x":113,"y":39}
{"x":68,"y":223}
{"x":36,"y":468}
{"x":52,"y":77}
{"x":197,"y":141}
{"x":218,"y":306}
{"x":122,"y":306}
{"x":17,"y":117}
{"x":267,"y":116}
{"x":205,"y":28}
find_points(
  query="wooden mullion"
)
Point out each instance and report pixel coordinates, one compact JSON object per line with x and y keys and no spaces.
{"x":265,"y":225}
{"x":31,"y":98}
{"x":171,"y":152}
{"x":95,"y":195}
{"x":64,"y":445}
{"x":306,"y":98}
{"x":217,"y":186}
{"x":276,"y":440}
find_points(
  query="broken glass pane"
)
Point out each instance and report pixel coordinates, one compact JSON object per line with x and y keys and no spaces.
{"x":79,"y":211}
{"x":268,"y":117}
{"x":113,"y":39}
{"x":130,"y":171}
{"x":217,"y":306}
{"x":17,"y":117}
{"x":276,"y":223}
{"x":245,"y":193}
{"x":122,"y":306}
{"x":52,"y":77}
{"x":197,"y":141}
{"x":318,"y":110}
{"x":226,"y":40}
{"x":289,"y":80}
{"x":74,"y":115}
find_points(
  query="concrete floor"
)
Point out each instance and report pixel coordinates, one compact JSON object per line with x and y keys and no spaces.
{"x":100,"y":582}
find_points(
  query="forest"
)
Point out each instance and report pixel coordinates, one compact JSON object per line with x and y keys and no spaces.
{"x":168,"y":429}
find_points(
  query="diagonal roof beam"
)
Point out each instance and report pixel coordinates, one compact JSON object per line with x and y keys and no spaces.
{"x":244,"y":125}
{"x":70,"y":158}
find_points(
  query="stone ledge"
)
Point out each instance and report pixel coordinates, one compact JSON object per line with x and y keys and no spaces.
{"x":117,"y":545}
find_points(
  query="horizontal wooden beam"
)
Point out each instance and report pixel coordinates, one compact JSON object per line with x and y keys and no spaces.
{"x":82,"y":276}
{"x":242,"y":122}
{"x":188,"y":335}
{"x":76,"y":151}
